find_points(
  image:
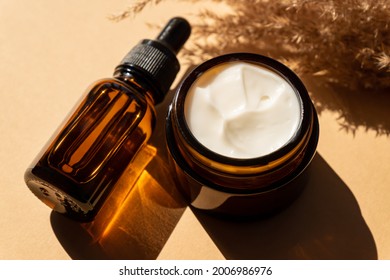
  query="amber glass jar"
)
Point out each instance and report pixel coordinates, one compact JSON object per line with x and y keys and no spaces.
{"x":241,"y":186}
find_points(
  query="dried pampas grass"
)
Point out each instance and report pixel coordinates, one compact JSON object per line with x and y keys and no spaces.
{"x":342,"y":44}
{"x":346,"y":42}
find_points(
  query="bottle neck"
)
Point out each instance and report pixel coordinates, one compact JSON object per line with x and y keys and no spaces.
{"x":135,"y":78}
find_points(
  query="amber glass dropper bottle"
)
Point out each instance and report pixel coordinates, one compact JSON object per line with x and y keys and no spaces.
{"x":76,"y":172}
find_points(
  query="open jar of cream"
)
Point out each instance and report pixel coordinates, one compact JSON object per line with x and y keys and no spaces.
{"x":241,"y":130}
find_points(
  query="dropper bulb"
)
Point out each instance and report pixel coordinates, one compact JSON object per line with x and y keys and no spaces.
{"x":175,"y":34}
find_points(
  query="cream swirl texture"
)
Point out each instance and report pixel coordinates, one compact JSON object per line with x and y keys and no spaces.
{"x":242,"y":110}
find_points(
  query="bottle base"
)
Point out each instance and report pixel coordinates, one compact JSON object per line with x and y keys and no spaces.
{"x":57,"y":199}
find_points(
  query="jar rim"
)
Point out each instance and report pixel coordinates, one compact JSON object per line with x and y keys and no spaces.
{"x":256,"y":59}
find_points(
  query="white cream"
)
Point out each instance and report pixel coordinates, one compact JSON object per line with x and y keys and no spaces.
{"x":242,"y":110}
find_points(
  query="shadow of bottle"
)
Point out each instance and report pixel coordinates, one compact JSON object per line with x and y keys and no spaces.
{"x":135,"y":221}
{"x":325,"y":222}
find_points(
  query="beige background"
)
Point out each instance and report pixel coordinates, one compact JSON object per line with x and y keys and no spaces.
{"x":50,"y":51}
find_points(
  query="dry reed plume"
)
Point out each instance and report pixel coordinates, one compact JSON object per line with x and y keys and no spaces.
{"x":342,"y":43}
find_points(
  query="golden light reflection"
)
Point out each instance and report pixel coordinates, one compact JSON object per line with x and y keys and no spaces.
{"x":143,"y":210}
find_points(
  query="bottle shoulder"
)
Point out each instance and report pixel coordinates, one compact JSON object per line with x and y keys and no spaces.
{"x":119,"y":84}
{"x":127,"y":85}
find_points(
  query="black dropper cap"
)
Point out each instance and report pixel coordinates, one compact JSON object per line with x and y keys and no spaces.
{"x":156,"y":59}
